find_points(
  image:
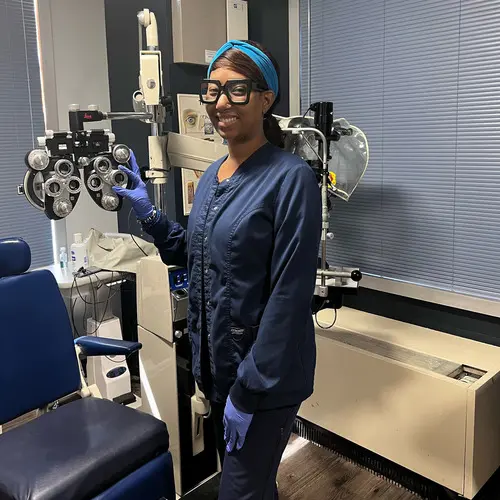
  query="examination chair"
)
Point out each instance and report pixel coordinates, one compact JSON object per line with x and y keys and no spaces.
{"x":82,"y":447}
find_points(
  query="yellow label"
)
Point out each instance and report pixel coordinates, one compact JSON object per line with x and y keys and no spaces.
{"x":333,"y":178}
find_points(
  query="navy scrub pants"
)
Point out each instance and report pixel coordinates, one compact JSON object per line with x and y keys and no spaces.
{"x":250,"y":473}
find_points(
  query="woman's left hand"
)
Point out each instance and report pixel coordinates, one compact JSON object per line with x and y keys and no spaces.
{"x":236,"y":424}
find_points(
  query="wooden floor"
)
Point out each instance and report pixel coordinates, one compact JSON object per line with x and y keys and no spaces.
{"x":312,"y":473}
{"x":308,"y":472}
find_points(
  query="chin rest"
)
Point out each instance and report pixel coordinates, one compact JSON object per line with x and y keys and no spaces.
{"x":88,"y":449}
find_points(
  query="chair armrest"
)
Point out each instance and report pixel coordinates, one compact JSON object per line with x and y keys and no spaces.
{"x":101,"y":346}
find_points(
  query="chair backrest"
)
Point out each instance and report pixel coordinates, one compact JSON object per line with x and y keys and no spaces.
{"x":38,"y":362}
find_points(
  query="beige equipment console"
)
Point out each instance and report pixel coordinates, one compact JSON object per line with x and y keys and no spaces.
{"x":426,"y":400}
{"x":167,"y":389}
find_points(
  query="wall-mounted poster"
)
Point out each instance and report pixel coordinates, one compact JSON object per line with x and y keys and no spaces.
{"x":193,"y":121}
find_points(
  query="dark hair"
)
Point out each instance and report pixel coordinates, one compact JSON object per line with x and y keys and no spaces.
{"x":241,"y":63}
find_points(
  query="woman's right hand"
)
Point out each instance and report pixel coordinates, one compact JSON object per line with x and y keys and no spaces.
{"x":137,"y":193}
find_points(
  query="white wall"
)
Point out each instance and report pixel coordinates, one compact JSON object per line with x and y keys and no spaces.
{"x":75,"y":70}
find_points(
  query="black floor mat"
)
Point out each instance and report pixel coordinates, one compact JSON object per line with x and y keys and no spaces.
{"x":207,"y":491}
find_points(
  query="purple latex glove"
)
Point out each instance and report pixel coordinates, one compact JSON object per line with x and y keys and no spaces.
{"x":236,"y":424}
{"x":137,"y":194}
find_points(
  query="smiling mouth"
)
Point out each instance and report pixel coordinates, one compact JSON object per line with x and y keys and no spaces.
{"x":227,"y":120}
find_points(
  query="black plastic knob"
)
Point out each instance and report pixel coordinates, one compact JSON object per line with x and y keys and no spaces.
{"x":356,"y":275}
{"x":168,"y":103}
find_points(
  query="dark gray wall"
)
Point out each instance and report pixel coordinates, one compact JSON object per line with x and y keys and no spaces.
{"x":268,"y":24}
{"x":123,"y":66}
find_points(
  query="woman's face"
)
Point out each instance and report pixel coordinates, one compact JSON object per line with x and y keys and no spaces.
{"x":238,"y":123}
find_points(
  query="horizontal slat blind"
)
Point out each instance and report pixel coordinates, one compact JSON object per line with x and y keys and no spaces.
{"x":422,"y":79}
{"x":419,"y":130}
{"x":348,"y":70}
{"x":21,"y":121}
{"x":477,"y":199}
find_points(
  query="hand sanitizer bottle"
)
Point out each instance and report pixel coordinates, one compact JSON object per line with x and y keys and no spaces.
{"x":79,"y":257}
{"x":63,"y":259}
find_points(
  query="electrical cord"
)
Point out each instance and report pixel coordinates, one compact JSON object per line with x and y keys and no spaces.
{"x":324,"y":326}
{"x":175,"y":311}
{"x":72,"y":308}
{"x":110,"y":296}
{"x":132,"y":236}
{"x":102,"y":248}
{"x":129,"y":232}
{"x":125,"y":357}
{"x":99,"y":285}
{"x":93,"y":303}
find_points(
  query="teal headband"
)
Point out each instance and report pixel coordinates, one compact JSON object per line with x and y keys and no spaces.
{"x":257,"y":56}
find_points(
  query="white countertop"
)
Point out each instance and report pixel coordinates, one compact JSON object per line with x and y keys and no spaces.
{"x":65,"y":278}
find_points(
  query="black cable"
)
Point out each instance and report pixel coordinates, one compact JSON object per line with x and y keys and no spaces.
{"x":99,"y":285}
{"x":130,"y":232}
{"x":96,"y":276}
{"x":108,"y":299}
{"x":102,"y":248}
{"x":84,"y":315}
{"x":175,"y":310}
{"x":94,"y":303}
{"x":110,"y":296}
{"x":72,"y":304}
{"x":105,"y":308}
{"x":324,"y":326}
{"x":119,"y":361}
{"x":94,"y":299}
{"x":72,"y":307}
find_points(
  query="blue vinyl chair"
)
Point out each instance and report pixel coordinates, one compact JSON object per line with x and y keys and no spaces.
{"x":88,"y":448}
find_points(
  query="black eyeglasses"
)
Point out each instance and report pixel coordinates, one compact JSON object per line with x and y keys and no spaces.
{"x":237,"y":91}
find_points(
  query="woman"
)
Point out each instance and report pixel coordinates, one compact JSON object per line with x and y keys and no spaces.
{"x":251,"y":249}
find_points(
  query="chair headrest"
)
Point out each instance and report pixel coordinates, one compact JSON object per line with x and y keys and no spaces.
{"x":15,"y":257}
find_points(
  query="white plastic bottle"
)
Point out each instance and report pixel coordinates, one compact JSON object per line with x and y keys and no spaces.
{"x":79,"y":257}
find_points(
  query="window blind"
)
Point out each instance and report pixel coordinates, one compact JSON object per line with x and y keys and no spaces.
{"x":422,"y":80}
{"x":21,"y":121}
